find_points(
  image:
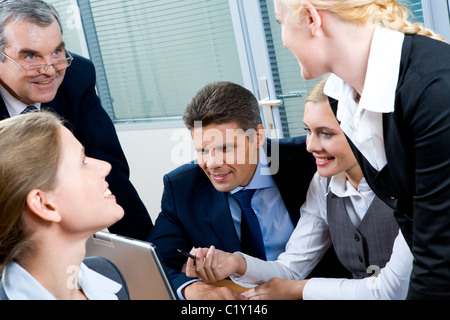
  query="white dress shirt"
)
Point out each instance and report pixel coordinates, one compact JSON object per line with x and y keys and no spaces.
{"x":310,"y":240}
{"x":362,"y":122}
{"x":274,"y":220}
{"x":13,"y":105}
{"x":20,"y":285}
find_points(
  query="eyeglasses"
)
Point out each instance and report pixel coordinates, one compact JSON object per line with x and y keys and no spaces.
{"x":38,"y":69}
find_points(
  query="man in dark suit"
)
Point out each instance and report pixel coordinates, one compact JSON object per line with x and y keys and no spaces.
{"x":199,"y":204}
{"x":37,"y":71}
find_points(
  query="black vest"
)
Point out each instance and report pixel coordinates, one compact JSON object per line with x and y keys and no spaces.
{"x":368,"y":244}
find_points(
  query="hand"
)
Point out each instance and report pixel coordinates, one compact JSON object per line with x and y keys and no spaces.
{"x":277,"y":289}
{"x":203,"y":291}
{"x":213,"y":265}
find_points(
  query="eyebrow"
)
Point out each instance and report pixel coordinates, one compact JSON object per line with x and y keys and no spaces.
{"x":26,"y":51}
{"x":225,"y":145}
{"x":320,"y":128}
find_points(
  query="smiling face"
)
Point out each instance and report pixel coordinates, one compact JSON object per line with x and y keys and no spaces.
{"x":327,"y":142}
{"x":31,"y":44}
{"x":81,"y":196}
{"x":227,"y":155}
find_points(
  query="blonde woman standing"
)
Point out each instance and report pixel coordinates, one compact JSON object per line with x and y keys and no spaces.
{"x":391,"y":80}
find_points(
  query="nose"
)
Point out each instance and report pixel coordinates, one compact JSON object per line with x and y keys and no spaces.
{"x":103,"y":167}
{"x":312,"y":143}
{"x":214,"y":159}
{"x":48,"y":69}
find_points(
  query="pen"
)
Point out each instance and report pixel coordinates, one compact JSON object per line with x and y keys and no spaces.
{"x":186,"y":254}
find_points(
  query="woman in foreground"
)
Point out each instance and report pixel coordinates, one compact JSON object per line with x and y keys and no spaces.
{"x":52,"y":199}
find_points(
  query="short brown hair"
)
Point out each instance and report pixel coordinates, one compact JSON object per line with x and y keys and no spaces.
{"x":223,"y":102}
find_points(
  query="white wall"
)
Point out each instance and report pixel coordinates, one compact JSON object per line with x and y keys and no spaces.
{"x":151,"y":153}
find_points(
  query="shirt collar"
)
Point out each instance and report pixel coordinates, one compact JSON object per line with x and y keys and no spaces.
{"x":260,"y":179}
{"x":20,"y":285}
{"x":341,"y":187}
{"x":381,"y":77}
{"x":96,"y":286}
{"x":13,"y":105}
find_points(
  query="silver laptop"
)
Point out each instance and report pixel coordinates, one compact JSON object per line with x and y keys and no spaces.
{"x":139,"y":263}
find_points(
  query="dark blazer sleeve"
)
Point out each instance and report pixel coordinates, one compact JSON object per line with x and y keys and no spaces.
{"x":109,"y":270}
{"x":169,"y":234}
{"x":193,"y":214}
{"x":77,"y":101}
{"x":422,"y":115}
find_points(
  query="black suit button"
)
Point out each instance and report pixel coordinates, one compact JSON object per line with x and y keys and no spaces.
{"x":361,"y":259}
{"x":357,"y":237}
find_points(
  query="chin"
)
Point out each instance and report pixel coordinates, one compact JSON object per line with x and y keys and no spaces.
{"x":115,"y":215}
{"x":325,"y":173}
{"x":44,"y":95}
{"x":307,"y":76}
{"x":223,"y":187}
{"x":46,"y":98}
{"x":120,"y":214}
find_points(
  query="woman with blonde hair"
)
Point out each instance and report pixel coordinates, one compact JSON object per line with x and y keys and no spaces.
{"x":391,"y":81}
{"x":52,"y":199}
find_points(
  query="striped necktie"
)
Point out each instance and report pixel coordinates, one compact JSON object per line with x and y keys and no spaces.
{"x":29,"y":109}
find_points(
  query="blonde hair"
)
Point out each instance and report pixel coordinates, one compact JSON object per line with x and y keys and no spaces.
{"x":388,"y":13}
{"x":30,"y":150}
{"x":316,"y":94}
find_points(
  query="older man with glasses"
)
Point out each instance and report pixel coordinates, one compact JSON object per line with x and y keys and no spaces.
{"x":35,"y":74}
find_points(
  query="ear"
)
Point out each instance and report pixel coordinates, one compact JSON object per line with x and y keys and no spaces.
{"x":314,"y":18}
{"x":260,"y":135}
{"x":40,"y":204}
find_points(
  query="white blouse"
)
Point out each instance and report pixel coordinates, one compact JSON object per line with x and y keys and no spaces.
{"x":20,"y":285}
{"x":310,"y":240}
{"x":362,"y":122}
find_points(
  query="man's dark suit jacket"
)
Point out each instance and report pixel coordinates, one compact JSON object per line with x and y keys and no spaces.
{"x":77,"y":102}
{"x":416,"y":179}
{"x":195,"y":214}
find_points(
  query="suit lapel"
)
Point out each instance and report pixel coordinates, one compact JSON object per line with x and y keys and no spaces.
{"x":219,"y":216}
{"x":3,"y":111}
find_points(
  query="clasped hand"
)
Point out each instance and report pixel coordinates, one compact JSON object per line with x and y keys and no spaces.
{"x":212,"y":265}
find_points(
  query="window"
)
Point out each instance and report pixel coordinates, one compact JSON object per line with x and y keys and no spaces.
{"x":152,"y":57}
{"x":156,"y":55}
